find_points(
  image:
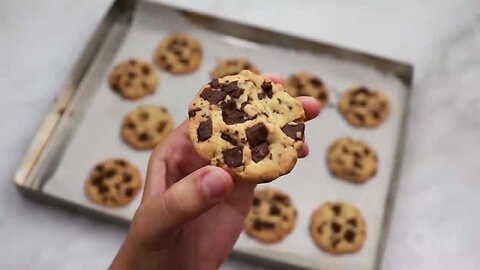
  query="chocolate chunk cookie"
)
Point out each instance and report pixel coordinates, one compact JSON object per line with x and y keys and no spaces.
{"x":133,"y":79}
{"x":338,"y":228}
{"x":113,"y":183}
{"x":178,"y":54}
{"x":352,"y":160}
{"x":364,"y":107}
{"x":247,"y":125}
{"x":271,"y":217}
{"x":307,"y":84}
{"x":146,"y":126}
{"x":232,"y":66}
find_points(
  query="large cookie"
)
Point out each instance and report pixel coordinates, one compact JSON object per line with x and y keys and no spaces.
{"x":247,"y":125}
{"x":232,"y":66}
{"x":307,"y":84}
{"x":338,"y":228}
{"x":271,"y":217}
{"x":113,"y":183}
{"x":364,"y":107}
{"x":146,"y":126}
{"x":178,"y":54}
{"x":133,"y":79}
{"x":352,"y":160}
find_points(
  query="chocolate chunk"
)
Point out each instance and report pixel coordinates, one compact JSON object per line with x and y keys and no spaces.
{"x":102,"y":189}
{"x":259,"y":152}
{"x":229,"y":139}
{"x":336,"y":228}
{"x":320,"y":229}
{"x":97,"y":181}
{"x":361,"y":90}
{"x":247,"y":66}
{"x":127,"y":177}
{"x":274,"y":210}
{"x":337,"y":209}
{"x":262,"y":95}
{"x":130,"y":125}
{"x":228,"y":105}
{"x":215,"y":84}
{"x":232,"y":117}
{"x":360,"y":117}
{"x":366,"y":151}
{"x":349,"y":236}
{"x":345,"y":149}
{"x":281,"y":199}
{"x":100,"y":168}
{"x":357,"y":154}
{"x":268,"y":225}
{"x":129,"y":192}
{"x":357,"y":164}
{"x":163,"y":57}
{"x":257,"y":225}
{"x":204,"y":131}
{"x":294,"y":131}
{"x":146,"y":70}
{"x":110,"y":173}
{"x":120,"y":163}
{"x":256,"y":201}
{"x":376,"y":115}
{"x":161,"y":126}
{"x":193,"y":112}
{"x":233,"y":157}
{"x":256,"y":134}
{"x":233,"y":90}
{"x":352,"y":222}
{"x":143,"y":137}
{"x":316,"y":82}
{"x":184,"y":61}
{"x":267,"y":88}
{"x":212,"y":95}
{"x":144,"y":116}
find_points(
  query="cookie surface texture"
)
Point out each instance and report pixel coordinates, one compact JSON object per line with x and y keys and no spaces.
{"x":146,"y":126}
{"x":271,"y":217}
{"x":364,"y":107}
{"x":307,"y":84}
{"x":133,"y":79}
{"x":338,"y":228}
{"x":178,"y":54}
{"x":232,"y":66}
{"x":352,"y":160}
{"x":113,"y":183}
{"x":247,"y":125}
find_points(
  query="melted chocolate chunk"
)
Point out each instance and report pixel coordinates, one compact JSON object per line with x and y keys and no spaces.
{"x":360,"y":117}
{"x":376,"y":114}
{"x":110,"y":173}
{"x":204,"y":131}
{"x":316,"y":82}
{"x":146,"y":70}
{"x":294,"y":131}
{"x":229,"y":139}
{"x":127,"y":177}
{"x":267,"y":88}
{"x":161,"y":126}
{"x":336,"y":228}
{"x":357,"y":164}
{"x":102,"y":188}
{"x":129,"y":192}
{"x":233,"y":90}
{"x":97,"y":181}
{"x":257,"y":225}
{"x":193,"y":112}
{"x":281,"y":199}
{"x":184,"y":61}
{"x":256,"y":134}
{"x":215,"y":84}
{"x":212,"y":95}
{"x":366,"y":151}
{"x":262,"y":95}
{"x":130,"y":125}
{"x":357,"y":154}
{"x":274,"y":210}
{"x":352,"y":222}
{"x":259,"y":152}
{"x":233,"y":157}
{"x":100,"y":168}
{"x":131,"y":75}
{"x":232,"y":117}
{"x":337,"y":209}
{"x":268,"y":225}
{"x":320,"y":229}
{"x":349,"y":236}
{"x":120,"y":163}
{"x":143,"y":137}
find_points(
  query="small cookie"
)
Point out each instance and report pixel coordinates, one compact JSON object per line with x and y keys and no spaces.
{"x":146,"y":126}
{"x":352,"y":160}
{"x":271,"y":217}
{"x":364,"y":107}
{"x":113,"y":183}
{"x":338,"y":228}
{"x":307,"y":84}
{"x":133,"y":79}
{"x":247,"y":125}
{"x":178,"y":54}
{"x":232,"y":66}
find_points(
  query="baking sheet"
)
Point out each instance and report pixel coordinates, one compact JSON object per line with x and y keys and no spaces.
{"x":97,"y":137}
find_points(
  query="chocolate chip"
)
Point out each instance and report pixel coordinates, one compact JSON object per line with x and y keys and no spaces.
{"x":361,"y":90}
{"x":349,"y":236}
{"x":231,"y":117}
{"x":376,"y":115}
{"x":257,"y":225}
{"x":102,"y":189}
{"x":161,"y":126}
{"x":144,"y":116}
{"x":256,"y":134}
{"x":274,"y":210}
{"x":247,"y":66}
{"x":233,"y":157}
{"x":262,"y":95}
{"x":177,"y":51}
{"x":352,"y":222}
{"x":100,"y":168}
{"x":130,"y":125}
{"x":294,"y":131}
{"x":193,"y":112}
{"x":184,"y":61}
{"x":357,"y":154}
{"x":256,"y":201}
{"x":336,"y":228}
{"x":357,"y":164}
{"x":129,"y":192}
{"x":360,"y":117}
{"x":268,"y":225}
{"x":110,"y":173}
{"x":362,"y":103}
{"x":143,"y":137}
{"x":163,"y":57}
{"x":204,"y":131}
{"x":316,"y":82}
{"x":146,"y":70}
{"x":233,"y":90}
{"x":132,"y":62}
{"x":212,"y":95}
{"x":267,"y":88}
{"x":320,"y":229}
{"x":229,"y":139}
{"x":127,"y":177}
{"x":97,"y":181}
{"x":131,"y":75}
{"x":281,"y":199}
{"x":345,"y":149}
{"x":259,"y":152}
{"x":215,"y":84}
{"x":120,"y":163}
{"x":337,"y":209}
{"x":366,"y":151}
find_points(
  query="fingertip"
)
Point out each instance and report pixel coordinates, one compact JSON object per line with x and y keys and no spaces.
{"x":304,"y":152}
{"x":274,"y":78}
{"x":311,"y":106}
{"x":216,"y":182}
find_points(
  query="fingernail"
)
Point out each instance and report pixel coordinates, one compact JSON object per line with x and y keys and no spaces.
{"x":214,"y":184}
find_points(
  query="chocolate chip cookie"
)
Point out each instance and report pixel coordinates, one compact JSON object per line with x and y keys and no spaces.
{"x":338,"y":228}
{"x":178,"y":54}
{"x":307,"y":84}
{"x":133,"y":79}
{"x":352,"y":160}
{"x":113,"y":183}
{"x":232,"y":66}
{"x":364,"y":107}
{"x":146,"y":126}
{"x":271,"y":217}
{"x":247,"y":125}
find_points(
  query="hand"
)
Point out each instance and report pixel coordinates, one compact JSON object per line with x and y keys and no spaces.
{"x":191,"y":214}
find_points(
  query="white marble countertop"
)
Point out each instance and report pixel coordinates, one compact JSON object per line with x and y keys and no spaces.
{"x":437,"y":214}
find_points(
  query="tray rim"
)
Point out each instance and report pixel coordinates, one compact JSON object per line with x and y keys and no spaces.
{"x":24,"y":172}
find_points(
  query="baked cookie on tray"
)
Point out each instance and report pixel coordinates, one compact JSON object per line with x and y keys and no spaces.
{"x":364,"y":107}
{"x":232,"y":66}
{"x":307,"y":84}
{"x":338,"y":228}
{"x":352,"y":160}
{"x":247,"y":125}
{"x":133,"y":79}
{"x":146,"y":126}
{"x":178,"y":54}
{"x":271,"y":217}
{"x":113,"y":183}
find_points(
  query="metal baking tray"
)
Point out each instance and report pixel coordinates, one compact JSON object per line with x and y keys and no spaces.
{"x":132,"y":29}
